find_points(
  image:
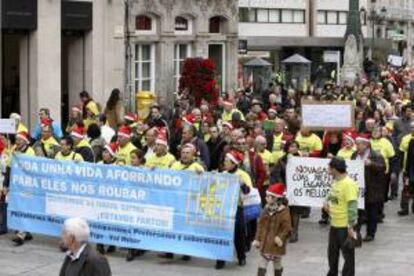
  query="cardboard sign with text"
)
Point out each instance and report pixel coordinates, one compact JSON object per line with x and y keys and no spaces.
{"x":309,"y":182}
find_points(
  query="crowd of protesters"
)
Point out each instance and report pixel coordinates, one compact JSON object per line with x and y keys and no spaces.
{"x":250,"y":135}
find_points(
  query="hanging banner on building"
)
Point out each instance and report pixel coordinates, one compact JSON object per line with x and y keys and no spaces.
{"x":323,"y":116}
{"x":161,"y":210}
{"x":309,"y":182}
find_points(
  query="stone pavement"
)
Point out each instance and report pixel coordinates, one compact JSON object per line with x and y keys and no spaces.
{"x":391,"y":254}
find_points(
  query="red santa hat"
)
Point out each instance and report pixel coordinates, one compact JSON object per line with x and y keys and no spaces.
{"x":130,"y":116}
{"x":277,"y":190}
{"x":228,"y":125}
{"x":189,"y":119}
{"x":111,"y":148}
{"x":350,"y":136}
{"x":235,"y":156}
{"x":24,"y":136}
{"x":362,"y":138}
{"x":78,"y":132}
{"x":125,"y":131}
{"x":162,"y":138}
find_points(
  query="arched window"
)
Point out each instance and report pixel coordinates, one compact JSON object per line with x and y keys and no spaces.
{"x":181,"y":24}
{"x":143,"y":23}
{"x":215,"y":25}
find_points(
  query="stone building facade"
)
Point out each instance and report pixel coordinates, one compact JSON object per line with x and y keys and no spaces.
{"x":135,"y":45}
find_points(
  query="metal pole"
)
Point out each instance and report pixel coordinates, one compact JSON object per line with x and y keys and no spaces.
{"x":373,"y":38}
{"x":127,"y":74}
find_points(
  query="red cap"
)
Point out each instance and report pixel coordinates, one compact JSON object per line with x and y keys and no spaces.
{"x":125,"y":131}
{"x":277,"y":190}
{"x":112,"y":148}
{"x":24,"y":136}
{"x":130,"y":116}
{"x":235,"y":156}
{"x":46,"y":122}
{"x":78,"y":132}
{"x":162,"y":138}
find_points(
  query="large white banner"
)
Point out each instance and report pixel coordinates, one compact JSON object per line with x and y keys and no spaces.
{"x":322,"y":116}
{"x":308,"y":180}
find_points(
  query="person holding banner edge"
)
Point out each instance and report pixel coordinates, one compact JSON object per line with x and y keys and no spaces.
{"x":342,"y":206}
{"x":232,"y":163}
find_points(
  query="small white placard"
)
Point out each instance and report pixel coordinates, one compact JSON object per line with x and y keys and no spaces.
{"x":8,"y":126}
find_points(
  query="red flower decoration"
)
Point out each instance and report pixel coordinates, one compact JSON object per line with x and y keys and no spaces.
{"x":197,"y":80}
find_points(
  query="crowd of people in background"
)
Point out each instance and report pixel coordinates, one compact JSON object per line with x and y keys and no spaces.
{"x":247,"y":134}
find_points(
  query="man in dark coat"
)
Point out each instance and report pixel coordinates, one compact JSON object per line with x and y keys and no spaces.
{"x":374,"y":183}
{"x":81,"y":259}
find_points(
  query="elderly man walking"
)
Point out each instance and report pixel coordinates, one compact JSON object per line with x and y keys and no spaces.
{"x":81,"y":259}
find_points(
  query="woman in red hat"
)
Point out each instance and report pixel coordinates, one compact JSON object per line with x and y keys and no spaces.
{"x":232,"y":163}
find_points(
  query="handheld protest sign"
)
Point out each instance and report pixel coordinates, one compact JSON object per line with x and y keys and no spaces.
{"x":328,"y":115}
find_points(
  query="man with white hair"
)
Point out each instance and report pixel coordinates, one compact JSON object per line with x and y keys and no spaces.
{"x":81,"y":258}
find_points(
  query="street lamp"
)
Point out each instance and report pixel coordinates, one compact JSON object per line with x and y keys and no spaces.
{"x":374,"y":17}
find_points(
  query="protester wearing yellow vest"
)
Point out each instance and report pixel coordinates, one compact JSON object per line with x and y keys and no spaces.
{"x":47,"y":146}
{"x":81,"y":145}
{"x":310,"y":144}
{"x":20,"y":127}
{"x":161,"y":158}
{"x":405,"y":142}
{"x":187,"y":162}
{"x":228,"y":112}
{"x":383,"y":146}
{"x":22,"y":147}
{"x":348,"y":149}
{"x":342,"y":206}
{"x":66,"y":153}
{"x":125,"y":146}
{"x":232,"y":163}
{"x":278,"y":142}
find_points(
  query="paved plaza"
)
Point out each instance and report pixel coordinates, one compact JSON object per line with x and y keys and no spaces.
{"x":391,"y":254}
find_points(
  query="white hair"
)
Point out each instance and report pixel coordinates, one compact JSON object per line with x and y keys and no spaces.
{"x":78,"y":228}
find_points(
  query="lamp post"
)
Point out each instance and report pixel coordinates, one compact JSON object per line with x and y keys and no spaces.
{"x":375,"y":18}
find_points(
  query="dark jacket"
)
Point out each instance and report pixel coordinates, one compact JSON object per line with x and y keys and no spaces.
{"x":374,"y":178}
{"x":202,"y":149}
{"x":90,"y":263}
{"x":215,"y":148}
{"x":87,"y":154}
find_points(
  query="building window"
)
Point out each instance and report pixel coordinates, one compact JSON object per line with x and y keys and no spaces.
{"x":274,"y":16}
{"x":298,"y":16}
{"x":247,"y":15}
{"x":343,"y":18}
{"x":287,"y":16}
{"x":321,"y":17}
{"x":181,"y":24}
{"x":215,"y":25}
{"x":262,"y":15}
{"x":181,"y":52}
{"x":144,"y":62}
{"x":143,"y":23}
{"x":332,"y":17}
